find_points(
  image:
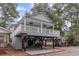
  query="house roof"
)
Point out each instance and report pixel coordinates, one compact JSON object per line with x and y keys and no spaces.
{"x":4,"y":30}
{"x":41,"y":17}
{"x":37,"y":16}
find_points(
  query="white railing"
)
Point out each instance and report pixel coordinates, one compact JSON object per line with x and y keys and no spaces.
{"x":31,"y":29}
{"x":34,"y":30}
{"x":56,"y":33}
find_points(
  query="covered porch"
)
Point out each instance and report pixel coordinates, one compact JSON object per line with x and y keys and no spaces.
{"x":39,"y":42}
{"x":37,"y":28}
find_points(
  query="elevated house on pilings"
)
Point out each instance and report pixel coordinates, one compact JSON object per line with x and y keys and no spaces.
{"x":34,"y":31}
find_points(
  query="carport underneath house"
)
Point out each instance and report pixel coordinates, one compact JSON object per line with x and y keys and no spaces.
{"x":30,"y":41}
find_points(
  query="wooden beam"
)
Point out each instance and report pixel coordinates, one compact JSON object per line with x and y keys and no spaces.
{"x":41,"y":41}
{"x":41,"y":45}
{"x":22,"y":44}
{"x":45,"y":43}
{"x":53,"y":43}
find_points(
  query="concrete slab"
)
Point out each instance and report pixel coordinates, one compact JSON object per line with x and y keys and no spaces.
{"x":35,"y":52}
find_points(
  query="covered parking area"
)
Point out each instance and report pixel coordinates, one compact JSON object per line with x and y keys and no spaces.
{"x":30,"y":41}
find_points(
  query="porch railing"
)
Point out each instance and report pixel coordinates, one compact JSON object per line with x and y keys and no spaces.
{"x":33,"y":29}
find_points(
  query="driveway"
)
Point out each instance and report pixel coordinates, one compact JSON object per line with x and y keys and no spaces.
{"x":71,"y":51}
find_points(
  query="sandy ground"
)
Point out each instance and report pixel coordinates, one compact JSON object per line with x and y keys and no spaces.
{"x":60,"y":51}
{"x":72,"y":51}
{"x":11,"y":52}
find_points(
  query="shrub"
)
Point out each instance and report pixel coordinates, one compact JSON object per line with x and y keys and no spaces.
{"x":71,"y":39}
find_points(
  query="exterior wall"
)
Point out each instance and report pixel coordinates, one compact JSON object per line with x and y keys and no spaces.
{"x":4,"y":40}
{"x":16,"y":43}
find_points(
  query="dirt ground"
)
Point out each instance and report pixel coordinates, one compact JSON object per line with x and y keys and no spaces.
{"x":13,"y":52}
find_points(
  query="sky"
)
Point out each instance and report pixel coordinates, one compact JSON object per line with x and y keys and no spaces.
{"x":22,"y":7}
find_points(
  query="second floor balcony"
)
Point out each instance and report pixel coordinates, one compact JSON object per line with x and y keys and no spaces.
{"x":36,"y":31}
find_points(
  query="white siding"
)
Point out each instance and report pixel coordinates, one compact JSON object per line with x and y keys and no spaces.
{"x":17,"y":43}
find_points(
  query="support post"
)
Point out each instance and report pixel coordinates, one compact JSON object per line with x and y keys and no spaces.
{"x":41,"y":45}
{"x":41,"y":27}
{"x":53,"y":43}
{"x":27,"y":43}
{"x":53,"y":28}
{"x":45,"y":43}
{"x":23,"y":47}
{"x":41,"y":40}
{"x":23,"y":42}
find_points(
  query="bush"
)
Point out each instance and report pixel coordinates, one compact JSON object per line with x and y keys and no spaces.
{"x":71,"y":39}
